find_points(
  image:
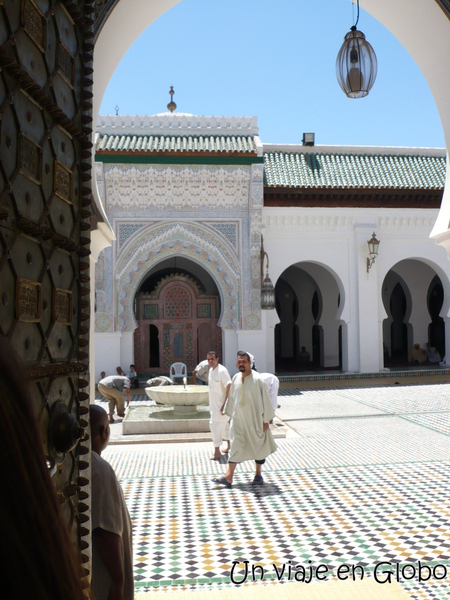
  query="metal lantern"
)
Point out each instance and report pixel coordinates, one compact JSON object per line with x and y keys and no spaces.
{"x":356,"y":65}
{"x":267,"y":294}
{"x":373,"y":244}
{"x":267,"y":289}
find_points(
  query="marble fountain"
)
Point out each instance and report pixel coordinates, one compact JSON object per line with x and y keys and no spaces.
{"x":179,"y":409}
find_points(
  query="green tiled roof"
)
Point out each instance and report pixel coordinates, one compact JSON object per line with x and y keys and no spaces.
{"x":322,"y":170}
{"x":160,"y":144}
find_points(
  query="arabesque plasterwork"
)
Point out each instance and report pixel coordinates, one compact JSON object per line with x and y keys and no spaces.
{"x":178,"y":188}
{"x":191,"y":239}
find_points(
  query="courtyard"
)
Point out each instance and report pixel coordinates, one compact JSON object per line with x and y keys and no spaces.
{"x":361,"y":477}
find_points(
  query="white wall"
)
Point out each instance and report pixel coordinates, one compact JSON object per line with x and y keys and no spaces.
{"x":107,"y":353}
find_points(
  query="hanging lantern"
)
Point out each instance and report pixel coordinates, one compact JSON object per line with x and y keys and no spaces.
{"x":356,"y":64}
{"x":267,"y":289}
{"x":267,"y":294}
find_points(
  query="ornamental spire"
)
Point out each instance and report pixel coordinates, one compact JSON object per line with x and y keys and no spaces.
{"x":171,"y":106}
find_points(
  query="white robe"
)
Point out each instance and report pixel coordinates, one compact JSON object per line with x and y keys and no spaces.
{"x":273,"y":384}
{"x":218,"y":380}
{"x":249,"y":407}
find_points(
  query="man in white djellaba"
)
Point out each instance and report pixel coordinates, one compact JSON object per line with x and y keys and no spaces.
{"x":219,"y":382}
{"x":251,"y":411}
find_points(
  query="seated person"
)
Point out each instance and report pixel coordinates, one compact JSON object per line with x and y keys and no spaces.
{"x":120,"y":372}
{"x":417,"y":355}
{"x":102,"y":376}
{"x":132,"y":376}
{"x":433,"y":355}
{"x":304,"y":355}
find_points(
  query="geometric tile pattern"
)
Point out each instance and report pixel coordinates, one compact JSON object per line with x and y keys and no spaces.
{"x":230,"y":231}
{"x":437,"y":421}
{"x":404,"y":399}
{"x":126,"y":230}
{"x":352,"y":489}
{"x":314,"y":406}
{"x":188,"y":532}
{"x":390,"y":399}
{"x":367,"y":440}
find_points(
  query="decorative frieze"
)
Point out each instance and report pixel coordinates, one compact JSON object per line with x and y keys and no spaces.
{"x":177,"y":124}
{"x":257,"y":186}
{"x":311,"y":221}
{"x":178,"y":188}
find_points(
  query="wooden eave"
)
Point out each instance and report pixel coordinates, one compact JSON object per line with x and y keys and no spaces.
{"x":352,"y":197}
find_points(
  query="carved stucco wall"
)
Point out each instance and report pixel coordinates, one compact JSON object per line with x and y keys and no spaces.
{"x":210,"y":214}
{"x":193,"y":240}
{"x":161,"y":188}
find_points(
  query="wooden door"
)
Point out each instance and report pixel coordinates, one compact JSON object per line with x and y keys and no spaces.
{"x":45,"y":199}
{"x":185,"y":320}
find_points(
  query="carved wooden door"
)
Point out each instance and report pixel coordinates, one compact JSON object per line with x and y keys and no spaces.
{"x":45,"y":198}
{"x":186,"y":322}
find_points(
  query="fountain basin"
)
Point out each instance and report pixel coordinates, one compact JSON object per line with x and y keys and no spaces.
{"x":164,"y":419}
{"x":179,"y":395}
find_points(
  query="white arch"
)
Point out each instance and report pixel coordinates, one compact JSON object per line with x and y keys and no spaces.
{"x":418,"y":322}
{"x":124,"y":24}
{"x":424,"y":30}
{"x":420,"y":25}
{"x":438,"y":270}
{"x":325,"y":279}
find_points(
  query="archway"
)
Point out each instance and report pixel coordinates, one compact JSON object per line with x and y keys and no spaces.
{"x":176,"y":309}
{"x":308,"y":304}
{"x":117,"y":21}
{"x":413,"y":298}
{"x":158,"y":243}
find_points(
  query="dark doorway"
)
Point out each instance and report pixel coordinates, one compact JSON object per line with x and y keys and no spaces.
{"x":399,"y":330}
{"x":436,"y":329}
{"x":285,"y":332}
{"x":154,"y":346}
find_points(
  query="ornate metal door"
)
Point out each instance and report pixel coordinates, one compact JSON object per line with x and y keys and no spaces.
{"x":45,"y":198}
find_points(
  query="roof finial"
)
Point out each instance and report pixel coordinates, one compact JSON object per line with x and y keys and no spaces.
{"x":171,"y":106}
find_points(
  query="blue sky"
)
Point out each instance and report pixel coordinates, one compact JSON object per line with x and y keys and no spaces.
{"x":275,"y":60}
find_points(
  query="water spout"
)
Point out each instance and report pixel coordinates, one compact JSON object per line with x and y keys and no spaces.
{"x":184,"y":382}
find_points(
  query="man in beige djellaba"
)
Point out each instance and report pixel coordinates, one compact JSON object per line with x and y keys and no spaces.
{"x":250,"y":411}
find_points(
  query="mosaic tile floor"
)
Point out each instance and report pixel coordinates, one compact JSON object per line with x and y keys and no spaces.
{"x":348,"y":489}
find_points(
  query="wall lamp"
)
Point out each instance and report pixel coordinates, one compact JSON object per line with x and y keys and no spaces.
{"x":267,"y":289}
{"x":373,"y":244}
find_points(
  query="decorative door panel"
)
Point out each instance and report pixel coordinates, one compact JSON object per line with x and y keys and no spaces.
{"x":204,"y":339}
{"x":45,"y":198}
{"x":177,"y":345}
{"x":185,"y":320}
